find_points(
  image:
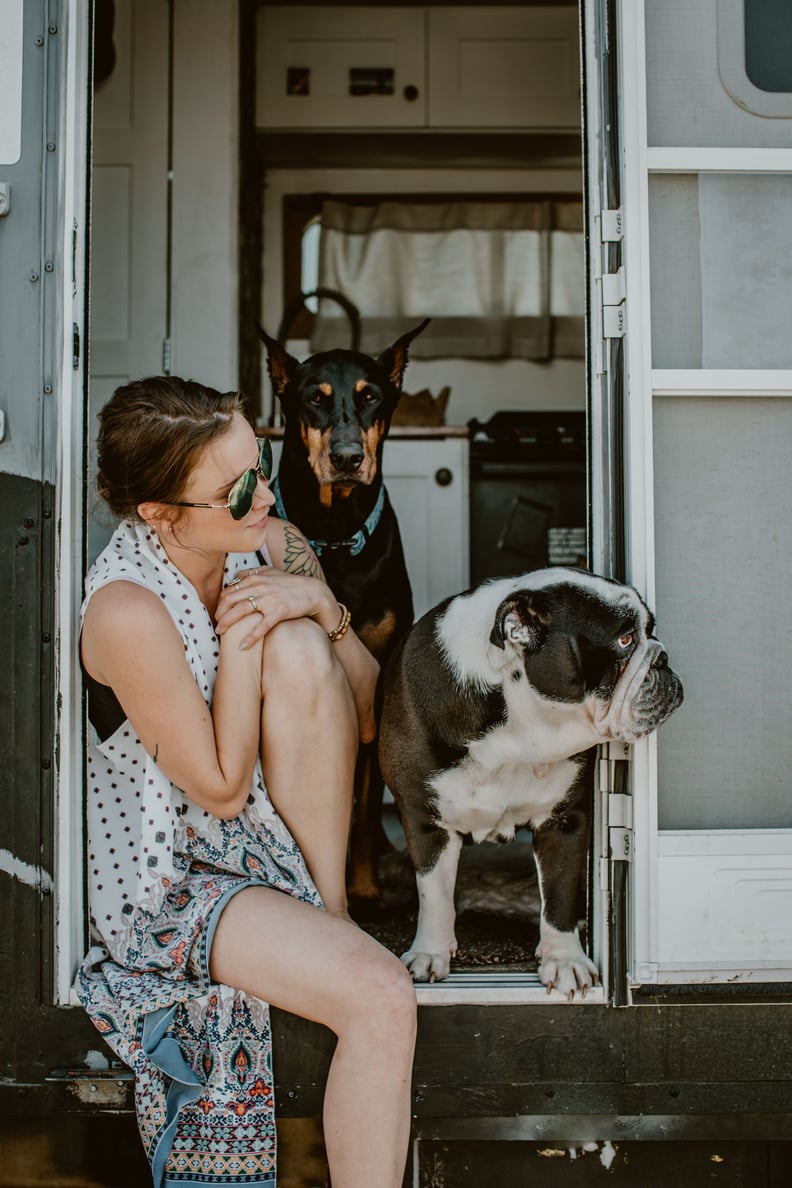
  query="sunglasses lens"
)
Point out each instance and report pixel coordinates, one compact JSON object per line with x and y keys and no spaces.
{"x":242,"y":494}
{"x":240,"y":497}
{"x":265,"y":458}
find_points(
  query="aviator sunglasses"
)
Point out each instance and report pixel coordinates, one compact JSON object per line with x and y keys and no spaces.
{"x":241,"y":495}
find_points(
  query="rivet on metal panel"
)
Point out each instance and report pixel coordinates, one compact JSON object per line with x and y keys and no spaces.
{"x":48,"y":267}
{"x":34,"y":277}
{"x":50,"y":146}
{"x":48,"y":389}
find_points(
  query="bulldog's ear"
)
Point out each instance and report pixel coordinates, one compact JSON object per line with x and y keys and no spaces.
{"x":280,"y":364}
{"x":394,"y":358}
{"x":523,"y":618}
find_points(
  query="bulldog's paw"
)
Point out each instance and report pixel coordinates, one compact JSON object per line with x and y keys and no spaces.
{"x":563,"y":966}
{"x":427,"y":967}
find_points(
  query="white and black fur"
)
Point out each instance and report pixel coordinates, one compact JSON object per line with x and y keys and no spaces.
{"x":493,"y":704}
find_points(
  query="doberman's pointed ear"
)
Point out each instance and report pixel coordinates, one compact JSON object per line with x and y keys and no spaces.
{"x":523,"y":619}
{"x":394,"y":359}
{"x":280,"y":364}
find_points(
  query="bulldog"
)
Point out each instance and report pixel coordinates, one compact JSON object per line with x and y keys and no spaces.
{"x":492,"y":705}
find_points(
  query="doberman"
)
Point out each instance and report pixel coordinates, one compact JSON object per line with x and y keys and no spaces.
{"x":337,"y":408}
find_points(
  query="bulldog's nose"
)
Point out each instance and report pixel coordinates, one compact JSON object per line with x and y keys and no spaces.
{"x":347,"y":457}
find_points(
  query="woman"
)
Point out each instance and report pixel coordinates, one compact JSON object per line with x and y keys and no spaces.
{"x":228,"y":693}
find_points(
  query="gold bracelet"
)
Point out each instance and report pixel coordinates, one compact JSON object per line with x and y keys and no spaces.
{"x":340,"y":631}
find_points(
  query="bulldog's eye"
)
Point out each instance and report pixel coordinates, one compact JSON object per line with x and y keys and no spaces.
{"x":624,"y":641}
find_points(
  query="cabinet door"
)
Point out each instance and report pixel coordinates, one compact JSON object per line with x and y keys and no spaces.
{"x":504,"y":67}
{"x":428,"y":485}
{"x":340,"y":67}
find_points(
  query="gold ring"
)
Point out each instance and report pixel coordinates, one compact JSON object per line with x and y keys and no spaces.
{"x":252,"y":602}
{"x":235,"y":581}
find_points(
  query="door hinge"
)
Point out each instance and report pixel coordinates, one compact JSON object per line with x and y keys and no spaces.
{"x":75,"y":346}
{"x":166,"y":356}
{"x":620,"y":834}
{"x":612,"y":781}
{"x":611,"y":227}
{"x":614,"y":306}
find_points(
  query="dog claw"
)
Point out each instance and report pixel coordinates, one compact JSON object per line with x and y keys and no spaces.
{"x":571,"y":996}
{"x":549,"y":987}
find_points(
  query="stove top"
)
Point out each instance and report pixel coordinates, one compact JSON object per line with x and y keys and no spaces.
{"x":510,"y":433}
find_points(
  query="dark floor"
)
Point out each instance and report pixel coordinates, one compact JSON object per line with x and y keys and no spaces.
{"x":497,"y":903}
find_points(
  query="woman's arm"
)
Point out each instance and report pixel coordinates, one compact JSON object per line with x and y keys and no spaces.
{"x":296,"y":588}
{"x":130,"y":643}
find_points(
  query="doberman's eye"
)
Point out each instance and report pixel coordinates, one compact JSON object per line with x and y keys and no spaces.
{"x":368,"y":396}
{"x":624,"y":641}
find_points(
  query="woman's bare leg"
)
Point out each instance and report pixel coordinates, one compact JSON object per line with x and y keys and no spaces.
{"x":309,"y":739}
{"x":324,"y":968}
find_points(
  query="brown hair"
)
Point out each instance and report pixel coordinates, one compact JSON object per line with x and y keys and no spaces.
{"x":151,"y":433}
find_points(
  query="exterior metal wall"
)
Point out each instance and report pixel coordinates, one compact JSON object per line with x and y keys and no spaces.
{"x":34,"y":1035}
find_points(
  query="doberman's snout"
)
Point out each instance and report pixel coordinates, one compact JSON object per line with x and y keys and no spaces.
{"x":346,"y":457}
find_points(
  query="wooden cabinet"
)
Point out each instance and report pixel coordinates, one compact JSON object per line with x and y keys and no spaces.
{"x":432,"y":68}
{"x":503,"y":67}
{"x":340,"y":67}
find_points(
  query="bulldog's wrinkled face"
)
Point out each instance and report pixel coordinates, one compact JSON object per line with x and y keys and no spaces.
{"x":590,"y":640}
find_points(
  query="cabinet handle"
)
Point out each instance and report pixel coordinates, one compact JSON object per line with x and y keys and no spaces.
{"x":410,"y":93}
{"x":444,"y":477}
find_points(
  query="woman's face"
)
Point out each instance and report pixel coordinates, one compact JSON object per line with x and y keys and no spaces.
{"x":223,"y":461}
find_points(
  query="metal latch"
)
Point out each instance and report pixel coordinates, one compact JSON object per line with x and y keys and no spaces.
{"x":99,"y":1087}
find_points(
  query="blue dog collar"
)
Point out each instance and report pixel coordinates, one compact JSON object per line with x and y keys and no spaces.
{"x":356,"y":543}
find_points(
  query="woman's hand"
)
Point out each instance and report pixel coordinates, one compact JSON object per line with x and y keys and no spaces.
{"x":268,"y":596}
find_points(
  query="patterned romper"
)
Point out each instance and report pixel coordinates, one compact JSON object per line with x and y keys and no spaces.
{"x":160,"y":871}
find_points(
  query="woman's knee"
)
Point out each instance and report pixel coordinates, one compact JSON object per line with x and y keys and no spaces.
{"x":382,"y":999}
{"x":296,"y":649}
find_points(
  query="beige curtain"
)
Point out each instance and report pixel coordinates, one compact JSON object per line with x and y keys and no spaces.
{"x":498,"y":279}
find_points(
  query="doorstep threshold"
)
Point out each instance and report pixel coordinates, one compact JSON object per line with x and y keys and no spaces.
{"x":496,"y":989}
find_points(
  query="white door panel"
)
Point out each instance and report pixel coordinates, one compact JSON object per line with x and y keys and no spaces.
{"x":709,"y":904}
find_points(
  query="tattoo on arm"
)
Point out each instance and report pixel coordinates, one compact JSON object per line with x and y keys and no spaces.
{"x":298,"y":556}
